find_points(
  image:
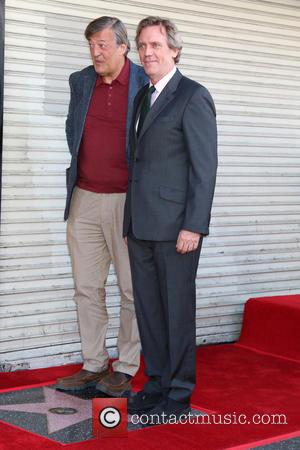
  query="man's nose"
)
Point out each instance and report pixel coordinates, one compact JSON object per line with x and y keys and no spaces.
{"x":148,"y":50}
{"x":95,"y":50}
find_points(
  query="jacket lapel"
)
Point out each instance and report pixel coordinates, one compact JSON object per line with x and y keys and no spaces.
{"x":137,"y":79}
{"x":89,"y":81}
{"x":162,"y":101}
{"x":136,"y":111}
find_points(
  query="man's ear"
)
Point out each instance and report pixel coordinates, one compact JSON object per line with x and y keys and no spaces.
{"x":175,"y":53}
{"x":122,"y":48}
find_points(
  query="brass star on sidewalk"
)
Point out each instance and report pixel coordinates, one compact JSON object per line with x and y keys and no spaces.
{"x":62,"y":410}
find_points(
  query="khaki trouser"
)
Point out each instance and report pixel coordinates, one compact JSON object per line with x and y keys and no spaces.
{"x":94,"y":233}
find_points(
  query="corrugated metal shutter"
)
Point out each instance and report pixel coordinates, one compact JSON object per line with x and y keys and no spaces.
{"x":247,"y":53}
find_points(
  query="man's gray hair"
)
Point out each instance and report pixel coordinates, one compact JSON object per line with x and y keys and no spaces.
{"x":115,"y":24}
{"x":173,"y":37}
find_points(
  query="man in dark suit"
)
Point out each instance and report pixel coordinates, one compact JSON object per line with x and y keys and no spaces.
{"x":97,"y":128}
{"x":167,"y":212}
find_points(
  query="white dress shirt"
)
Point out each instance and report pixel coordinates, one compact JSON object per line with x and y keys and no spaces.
{"x":159,"y":86}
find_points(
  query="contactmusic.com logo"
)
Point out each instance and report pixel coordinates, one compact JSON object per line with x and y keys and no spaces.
{"x":109,"y":417}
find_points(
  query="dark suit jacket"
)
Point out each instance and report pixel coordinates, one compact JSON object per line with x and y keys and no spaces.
{"x":174,"y":162}
{"x":82,"y":85}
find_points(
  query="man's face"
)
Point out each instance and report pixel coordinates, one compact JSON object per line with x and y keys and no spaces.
{"x":107,"y":56}
{"x":155,"y":55}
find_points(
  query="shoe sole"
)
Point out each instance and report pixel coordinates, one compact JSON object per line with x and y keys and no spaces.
{"x":107,"y":391}
{"x":140,"y":411}
{"x":77,"y":388}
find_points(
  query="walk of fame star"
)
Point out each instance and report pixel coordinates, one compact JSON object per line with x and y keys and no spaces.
{"x":79,"y":409}
{"x":64,"y":417}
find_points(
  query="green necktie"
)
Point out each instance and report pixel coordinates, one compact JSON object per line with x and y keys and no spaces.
{"x":145,"y":108}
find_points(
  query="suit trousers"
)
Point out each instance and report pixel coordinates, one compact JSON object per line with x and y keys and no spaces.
{"x":165,"y":301}
{"x":94,"y":234}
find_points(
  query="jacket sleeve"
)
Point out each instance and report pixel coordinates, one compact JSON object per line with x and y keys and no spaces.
{"x":69,"y":128}
{"x":200,"y":135}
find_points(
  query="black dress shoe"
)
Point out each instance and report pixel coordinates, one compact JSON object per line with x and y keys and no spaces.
{"x":143,"y":401}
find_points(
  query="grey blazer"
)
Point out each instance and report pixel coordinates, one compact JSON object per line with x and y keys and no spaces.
{"x":81,"y":85}
{"x":174,"y":163}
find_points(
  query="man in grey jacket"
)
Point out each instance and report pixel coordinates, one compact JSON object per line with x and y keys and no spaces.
{"x":97,"y":127}
{"x":173,"y":139}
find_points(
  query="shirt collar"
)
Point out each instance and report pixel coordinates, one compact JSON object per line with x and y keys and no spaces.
{"x":122,"y":78}
{"x":161,"y":84}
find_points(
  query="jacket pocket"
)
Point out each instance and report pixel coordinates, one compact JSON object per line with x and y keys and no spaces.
{"x":174,"y":195}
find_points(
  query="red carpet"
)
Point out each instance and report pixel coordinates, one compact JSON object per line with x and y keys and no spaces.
{"x":272,"y":325}
{"x":232,"y":379}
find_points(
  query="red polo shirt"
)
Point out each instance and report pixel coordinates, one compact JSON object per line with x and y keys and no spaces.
{"x":102,"y":163}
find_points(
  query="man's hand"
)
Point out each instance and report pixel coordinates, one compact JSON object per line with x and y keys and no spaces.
{"x":187,"y":241}
{"x":126,"y":240}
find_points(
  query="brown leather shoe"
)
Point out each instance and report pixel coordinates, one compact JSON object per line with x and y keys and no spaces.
{"x":116,"y":384}
{"x":80,"y":380}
